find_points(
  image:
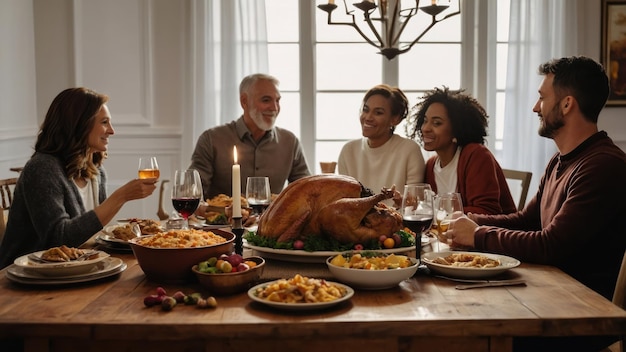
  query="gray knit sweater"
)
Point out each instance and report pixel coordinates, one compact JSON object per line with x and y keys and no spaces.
{"x":47,"y":210}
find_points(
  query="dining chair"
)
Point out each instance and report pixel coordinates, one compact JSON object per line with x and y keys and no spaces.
{"x":160,"y":211}
{"x":619,"y":299}
{"x":6,"y":194}
{"x":524,"y":178}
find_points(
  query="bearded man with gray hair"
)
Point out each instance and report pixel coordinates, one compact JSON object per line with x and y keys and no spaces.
{"x":262,"y":148}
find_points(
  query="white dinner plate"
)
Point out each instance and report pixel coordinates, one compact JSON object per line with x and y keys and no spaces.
{"x":300,"y":306}
{"x":128,"y":220}
{"x":208,"y":227}
{"x":108,"y":231}
{"x":103,"y":240}
{"x":107,"y":235}
{"x":108,"y":267}
{"x":301,"y":256}
{"x":59,"y":268}
{"x":469,"y":273}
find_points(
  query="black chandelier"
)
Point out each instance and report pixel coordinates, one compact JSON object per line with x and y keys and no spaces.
{"x":393,"y":19}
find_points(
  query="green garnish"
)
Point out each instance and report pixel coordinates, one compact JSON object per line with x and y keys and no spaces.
{"x":318,"y":243}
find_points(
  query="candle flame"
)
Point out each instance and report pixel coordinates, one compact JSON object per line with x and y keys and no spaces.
{"x":235,"y":154}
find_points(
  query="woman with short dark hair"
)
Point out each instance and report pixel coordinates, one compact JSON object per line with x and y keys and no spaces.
{"x":382,"y":158}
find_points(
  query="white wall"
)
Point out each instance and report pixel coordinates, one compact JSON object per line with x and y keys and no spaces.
{"x":612,"y":119}
{"x":18,"y":99}
{"x":132,"y":50}
{"x":137,"y":51}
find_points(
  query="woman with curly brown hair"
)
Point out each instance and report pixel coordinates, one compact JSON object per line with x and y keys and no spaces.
{"x":382,"y":158}
{"x":454,"y":125}
{"x":60,"y":197}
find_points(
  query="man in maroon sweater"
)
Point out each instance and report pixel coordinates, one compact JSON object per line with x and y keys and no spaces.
{"x":573,"y":222}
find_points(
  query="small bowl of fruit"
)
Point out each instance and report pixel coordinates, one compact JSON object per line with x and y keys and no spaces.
{"x":229,"y":273}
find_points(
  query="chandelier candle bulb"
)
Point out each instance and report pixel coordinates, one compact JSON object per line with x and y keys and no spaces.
{"x":236,"y":186}
{"x":384,"y":21}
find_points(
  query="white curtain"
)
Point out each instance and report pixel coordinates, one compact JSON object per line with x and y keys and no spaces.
{"x":534,"y":38}
{"x":229,"y":42}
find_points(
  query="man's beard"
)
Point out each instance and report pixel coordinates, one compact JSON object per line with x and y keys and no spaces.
{"x":552,"y":122}
{"x":259,"y":120}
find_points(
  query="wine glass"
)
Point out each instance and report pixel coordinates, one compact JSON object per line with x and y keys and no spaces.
{"x":148,"y":167}
{"x":258,"y":193}
{"x":186,"y":193}
{"x":445,"y":204}
{"x":417,"y":210}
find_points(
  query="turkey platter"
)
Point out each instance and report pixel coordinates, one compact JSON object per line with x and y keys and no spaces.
{"x":334,"y":206}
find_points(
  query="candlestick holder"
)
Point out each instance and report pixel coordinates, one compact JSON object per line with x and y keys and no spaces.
{"x":237,"y":229}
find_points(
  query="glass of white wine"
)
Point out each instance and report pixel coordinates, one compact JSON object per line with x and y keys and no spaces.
{"x":148,"y":167}
{"x":445,"y":204}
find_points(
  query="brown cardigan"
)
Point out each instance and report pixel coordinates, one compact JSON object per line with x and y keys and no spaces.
{"x":480,"y":181}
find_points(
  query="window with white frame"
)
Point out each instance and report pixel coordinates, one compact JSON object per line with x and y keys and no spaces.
{"x":325,"y":70}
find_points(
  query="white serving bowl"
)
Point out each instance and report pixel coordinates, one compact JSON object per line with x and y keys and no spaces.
{"x":371,"y":279}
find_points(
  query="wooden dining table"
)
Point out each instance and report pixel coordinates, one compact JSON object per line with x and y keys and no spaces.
{"x":423,"y":313}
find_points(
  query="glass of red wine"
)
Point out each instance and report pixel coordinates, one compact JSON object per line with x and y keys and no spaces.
{"x":186,"y":193}
{"x":417,"y":211}
{"x":258,"y":193}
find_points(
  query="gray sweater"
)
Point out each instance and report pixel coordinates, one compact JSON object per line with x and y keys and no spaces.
{"x":47,"y":210}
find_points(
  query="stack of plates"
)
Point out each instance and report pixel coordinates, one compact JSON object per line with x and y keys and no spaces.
{"x":106,"y":239}
{"x":26,"y":271}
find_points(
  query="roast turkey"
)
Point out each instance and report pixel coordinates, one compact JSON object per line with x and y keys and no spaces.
{"x":336,"y":206}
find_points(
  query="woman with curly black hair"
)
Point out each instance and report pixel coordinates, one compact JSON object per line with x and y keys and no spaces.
{"x":454,"y":125}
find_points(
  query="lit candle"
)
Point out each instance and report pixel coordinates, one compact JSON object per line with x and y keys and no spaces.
{"x":236,"y":186}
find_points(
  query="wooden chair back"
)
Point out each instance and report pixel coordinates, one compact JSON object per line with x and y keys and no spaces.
{"x":619,"y":295}
{"x":619,"y":299}
{"x":6,"y":195}
{"x":524,"y":177}
{"x":160,"y":211}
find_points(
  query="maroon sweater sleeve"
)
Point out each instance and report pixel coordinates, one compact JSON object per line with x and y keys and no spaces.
{"x":574,"y":220}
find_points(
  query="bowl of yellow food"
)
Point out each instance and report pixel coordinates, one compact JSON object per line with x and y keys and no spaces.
{"x":371,"y":270}
{"x":167,"y":257}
